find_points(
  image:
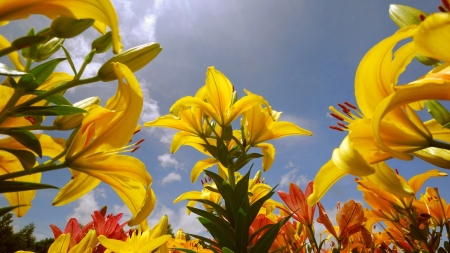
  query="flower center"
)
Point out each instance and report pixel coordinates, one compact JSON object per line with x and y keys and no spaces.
{"x":347,"y":115}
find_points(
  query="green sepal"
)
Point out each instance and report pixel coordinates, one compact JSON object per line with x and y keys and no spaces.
{"x":207,"y":240}
{"x":219,"y":210}
{"x":439,"y":112}
{"x":5,"y":210}
{"x":403,"y":15}
{"x":231,"y":204}
{"x":56,"y":99}
{"x":26,"y":138}
{"x":6,"y":70}
{"x":38,"y":75}
{"x":217,"y":221}
{"x":30,"y":53}
{"x":26,"y":158}
{"x":244,"y":159}
{"x":218,"y":234}
{"x":426,"y":60}
{"x":227,"y":250}
{"x":264,"y":243}
{"x":27,"y":41}
{"x":54,"y":110}
{"x":17,"y":186}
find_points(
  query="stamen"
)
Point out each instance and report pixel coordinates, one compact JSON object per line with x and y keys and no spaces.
{"x":201,"y":181}
{"x":337,"y":116}
{"x":396,"y":171}
{"x":31,"y":119}
{"x":336,"y":128}
{"x":342,"y":125}
{"x":134,"y":149}
{"x":343,"y":107}
{"x":446,"y":3}
{"x":139,"y":142}
{"x":136,"y":131}
{"x":350,"y":105}
{"x":442,"y":9}
{"x":421,"y":17}
{"x":346,"y":119}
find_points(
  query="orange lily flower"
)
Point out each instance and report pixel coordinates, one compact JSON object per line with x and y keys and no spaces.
{"x":296,"y":201}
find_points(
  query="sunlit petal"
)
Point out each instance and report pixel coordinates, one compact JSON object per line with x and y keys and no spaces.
{"x":436,"y":156}
{"x":432,"y":37}
{"x":327,"y":176}
{"x":79,"y":185}
{"x":417,"y":181}
{"x":387,"y":180}
{"x":268,"y":152}
{"x":13,"y":56}
{"x":347,"y":159}
{"x":200,"y":166}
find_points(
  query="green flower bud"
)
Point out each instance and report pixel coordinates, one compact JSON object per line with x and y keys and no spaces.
{"x":30,"y":52}
{"x":48,"y":49}
{"x":72,"y":121}
{"x":102,"y":43}
{"x":89,"y":57}
{"x":67,"y":27}
{"x":135,"y":58}
{"x":439,"y":113}
{"x":403,"y":15}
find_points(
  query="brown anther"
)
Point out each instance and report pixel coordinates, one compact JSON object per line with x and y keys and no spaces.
{"x":134,"y":149}
{"x":396,"y":171}
{"x":442,"y":9}
{"x":343,"y":107}
{"x":139,"y":142}
{"x":421,"y":17}
{"x":336,"y":128}
{"x":233,"y":87}
{"x":72,"y":177}
{"x":350,"y":105}
{"x":136,"y":131}
{"x":31,"y":119}
{"x":446,"y":3}
{"x":201,"y":181}
{"x":337,"y":116}
{"x":342,"y":125}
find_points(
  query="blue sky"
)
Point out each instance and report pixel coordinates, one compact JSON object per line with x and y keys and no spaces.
{"x":300,"y":55}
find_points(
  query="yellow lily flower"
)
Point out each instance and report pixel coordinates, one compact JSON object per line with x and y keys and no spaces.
{"x":204,"y":194}
{"x":359,"y":153}
{"x":9,"y":164}
{"x":180,"y":242}
{"x":62,"y":243}
{"x":138,"y":242}
{"x":433,"y":35}
{"x":94,"y":154}
{"x":101,"y":10}
{"x":260,"y":125}
{"x":217,"y":100}
{"x":433,"y":204}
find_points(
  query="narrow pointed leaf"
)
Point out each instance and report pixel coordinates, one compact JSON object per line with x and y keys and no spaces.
{"x":254,"y":208}
{"x":227,"y":250}
{"x":242,"y":226}
{"x":264,"y":243}
{"x":218,"y":234}
{"x":216,"y":207}
{"x":218,"y":180}
{"x":5,"y":210}
{"x":6,"y":70}
{"x":17,"y":186}
{"x":231,"y":204}
{"x":259,"y":231}
{"x":243,"y":160}
{"x":55,"y":110}
{"x":26,"y":138}
{"x":241,"y":189}
{"x":220,"y":223}
{"x":38,"y":75}
{"x":56,"y":99}
{"x":26,"y":158}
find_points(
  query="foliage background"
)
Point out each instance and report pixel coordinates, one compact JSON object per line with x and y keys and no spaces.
{"x":300,"y":55}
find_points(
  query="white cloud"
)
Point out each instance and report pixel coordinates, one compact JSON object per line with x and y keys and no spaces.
{"x":166,"y":160}
{"x":171,"y":177}
{"x":300,"y":180}
{"x":86,"y":206}
{"x":150,"y":110}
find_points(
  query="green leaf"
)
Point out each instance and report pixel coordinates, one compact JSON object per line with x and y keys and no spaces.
{"x":211,"y":149}
{"x":264,"y":243}
{"x":218,"y":180}
{"x":46,"y":110}
{"x":56,"y":99}
{"x":17,"y":186}
{"x":26,"y":158}
{"x":243,"y":160}
{"x":223,"y":156}
{"x":227,"y":250}
{"x":27,"y":41}
{"x":259,"y":231}
{"x":26,"y":138}
{"x":220,"y":223}
{"x":242,"y":226}
{"x":216,"y":207}
{"x":6,"y":70}
{"x":218,"y":234}
{"x":38,"y":75}
{"x":441,"y":250}
{"x":231,"y":204}
{"x":446,"y":246}
{"x":254,"y":208}
{"x":241,"y":189}
{"x":5,"y":210}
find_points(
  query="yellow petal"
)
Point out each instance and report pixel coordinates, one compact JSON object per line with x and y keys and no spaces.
{"x":385,"y":178}
{"x":86,"y":244}
{"x":200,"y":166}
{"x":170,"y":121}
{"x":244,"y":104}
{"x":115,"y":245}
{"x":327,"y":176}
{"x":61,"y":244}
{"x":268,"y":152}
{"x":438,"y":132}
{"x":183,"y":103}
{"x":282,"y":129}
{"x":145,"y":208}
{"x":433,"y":36}
{"x":79,"y":185}
{"x":99,"y":26}
{"x":436,"y":156}
{"x":219,"y":91}
{"x":417,"y":181}
{"x":154,"y":244}
{"x":350,"y":160}
{"x":184,"y":138}
{"x":101,"y":10}
{"x":23,"y":197}
{"x":13,"y":56}
{"x":188,"y":195}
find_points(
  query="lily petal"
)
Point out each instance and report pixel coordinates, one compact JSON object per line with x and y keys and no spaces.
{"x":327,"y":176}
{"x":436,"y":156}
{"x":350,"y":160}
{"x":268,"y":152}
{"x":200,"y":166}
{"x":432,"y":37}
{"x":80,"y":184}
{"x":417,"y":181}
{"x":13,"y":56}
{"x":387,"y":180}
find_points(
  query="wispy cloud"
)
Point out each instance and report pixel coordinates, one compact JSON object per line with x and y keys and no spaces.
{"x":86,"y":206}
{"x":166,"y":160}
{"x":171,"y":177}
{"x":150,"y":110}
{"x":292,"y":176}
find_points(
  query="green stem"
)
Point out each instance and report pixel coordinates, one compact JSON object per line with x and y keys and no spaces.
{"x":231,"y":177}
{"x":312,"y":238}
{"x":60,"y":88}
{"x":4,"y":114}
{"x":28,"y":65}
{"x":38,"y":127}
{"x":37,"y":169}
{"x":438,"y":144}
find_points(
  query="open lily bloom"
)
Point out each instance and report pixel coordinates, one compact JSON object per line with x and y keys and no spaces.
{"x":101,"y":10}
{"x":296,"y":201}
{"x":94,"y":154}
{"x":10,"y":163}
{"x":260,"y":125}
{"x":402,"y":129}
{"x":217,"y":100}
{"x":433,"y":204}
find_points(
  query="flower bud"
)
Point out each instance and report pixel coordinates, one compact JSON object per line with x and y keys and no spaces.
{"x":30,"y":52}
{"x":48,"y":49}
{"x":160,"y":229}
{"x":102,"y":43}
{"x":403,"y":15}
{"x":72,"y":121}
{"x":134,"y":58}
{"x":439,"y":113}
{"x":67,"y":27}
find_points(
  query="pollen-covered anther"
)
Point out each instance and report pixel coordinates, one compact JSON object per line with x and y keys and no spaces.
{"x":336,"y":128}
{"x":31,"y":119}
{"x":342,"y":125}
{"x":135,"y":149}
{"x":350,"y":105}
{"x":396,"y":171}
{"x":421,"y":17}
{"x":337,"y":116}
{"x":446,"y":4}
{"x":136,"y":131}
{"x":139,"y":142}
